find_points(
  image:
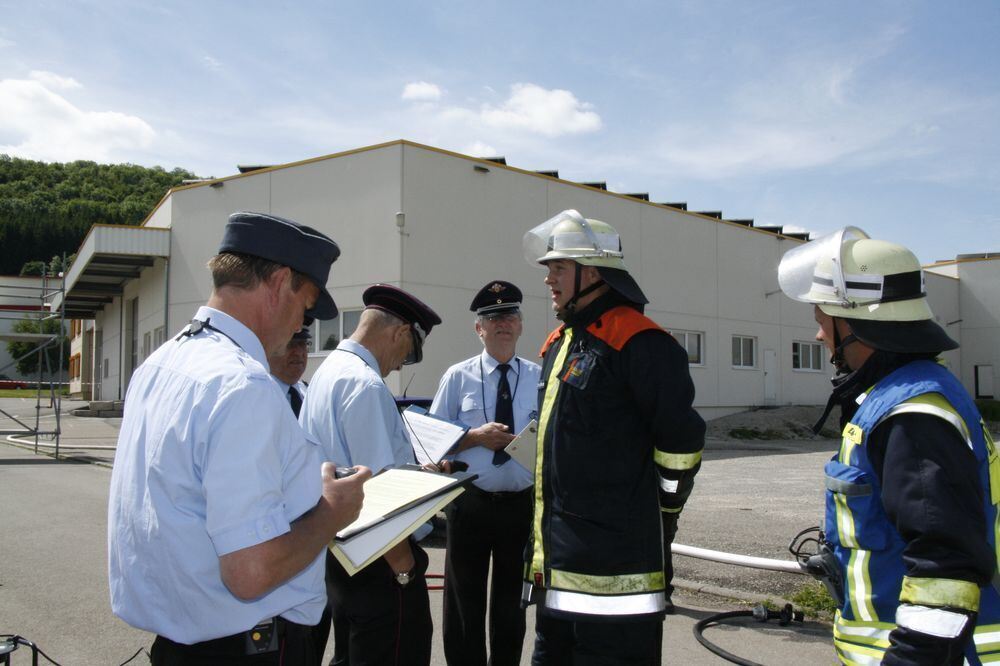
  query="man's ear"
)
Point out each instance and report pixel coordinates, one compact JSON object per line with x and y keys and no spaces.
{"x":278,"y":278}
{"x":401,"y":331}
{"x":589,"y":275}
{"x":272,"y":287}
{"x":843,"y":327}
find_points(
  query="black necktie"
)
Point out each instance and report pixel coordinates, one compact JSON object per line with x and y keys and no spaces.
{"x":295,"y":399}
{"x":505,"y":410}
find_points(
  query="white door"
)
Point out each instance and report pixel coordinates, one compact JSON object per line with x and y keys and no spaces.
{"x":770,"y":377}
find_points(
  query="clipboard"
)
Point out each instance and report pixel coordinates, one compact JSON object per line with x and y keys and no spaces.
{"x":431,"y":437}
{"x":524,"y":446}
{"x":397,"y":502}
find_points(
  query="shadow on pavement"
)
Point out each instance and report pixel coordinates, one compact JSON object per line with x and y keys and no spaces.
{"x":42,"y":461}
{"x":717,"y":449}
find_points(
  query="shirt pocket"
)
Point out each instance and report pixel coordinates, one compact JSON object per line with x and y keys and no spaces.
{"x":526,"y":402}
{"x":854,"y":514}
{"x":472,"y":405}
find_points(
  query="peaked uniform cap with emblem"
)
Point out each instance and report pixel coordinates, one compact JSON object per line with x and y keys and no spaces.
{"x":401,"y":304}
{"x":301,"y":248}
{"x":876,"y":285}
{"x":497,"y":297}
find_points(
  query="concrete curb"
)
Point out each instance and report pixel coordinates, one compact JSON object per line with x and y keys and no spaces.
{"x":728,"y":593}
{"x":52,"y":454}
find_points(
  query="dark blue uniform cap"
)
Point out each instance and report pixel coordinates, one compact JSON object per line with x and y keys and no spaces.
{"x":288,"y":243}
{"x":404,"y":305}
{"x":497,"y":297}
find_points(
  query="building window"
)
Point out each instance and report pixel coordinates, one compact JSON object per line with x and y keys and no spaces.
{"x":146,"y":339}
{"x":159,"y":336}
{"x":328,"y":334}
{"x":807,"y":356}
{"x":692,"y":343}
{"x":744,"y":352}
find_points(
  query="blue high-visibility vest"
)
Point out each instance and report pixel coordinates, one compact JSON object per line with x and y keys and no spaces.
{"x":867,"y":545}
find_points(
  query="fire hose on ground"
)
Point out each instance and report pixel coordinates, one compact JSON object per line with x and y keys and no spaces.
{"x":813,"y":557}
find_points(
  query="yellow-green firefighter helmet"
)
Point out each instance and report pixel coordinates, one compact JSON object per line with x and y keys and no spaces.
{"x":877,"y":285}
{"x":571,"y":236}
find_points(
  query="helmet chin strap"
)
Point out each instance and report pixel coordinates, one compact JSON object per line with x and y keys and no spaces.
{"x":837,"y":358}
{"x":842,"y":377}
{"x":570,"y":306}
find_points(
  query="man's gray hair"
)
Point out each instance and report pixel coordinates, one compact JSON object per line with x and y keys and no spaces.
{"x":380,"y":319}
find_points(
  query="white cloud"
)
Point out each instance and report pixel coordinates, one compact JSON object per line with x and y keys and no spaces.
{"x":41,"y":124}
{"x":538,"y":110}
{"x":54,"y":81}
{"x":4,"y":43}
{"x":421,"y":91}
{"x":480,"y":149}
{"x":211,"y":63}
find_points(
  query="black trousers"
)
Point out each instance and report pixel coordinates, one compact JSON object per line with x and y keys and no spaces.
{"x":377,"y":622}
{"x":569,"y":643}
{"x":295,"y":645}
{"x":482,"y":526}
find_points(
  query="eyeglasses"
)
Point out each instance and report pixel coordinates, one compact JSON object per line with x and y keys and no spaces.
{"x":502,"y":316}
{"x":416,"y":354}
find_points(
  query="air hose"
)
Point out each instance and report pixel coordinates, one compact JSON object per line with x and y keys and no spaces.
{"x":785,"y":616}
{"x":813,"y":557}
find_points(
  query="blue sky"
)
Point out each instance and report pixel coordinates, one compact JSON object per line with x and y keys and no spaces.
{"x":881,"y":114}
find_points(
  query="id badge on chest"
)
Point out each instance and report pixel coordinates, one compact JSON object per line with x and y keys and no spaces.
{"x":578,"y":369}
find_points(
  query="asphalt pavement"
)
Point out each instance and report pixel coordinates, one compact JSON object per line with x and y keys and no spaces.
{"x":750,"y":498}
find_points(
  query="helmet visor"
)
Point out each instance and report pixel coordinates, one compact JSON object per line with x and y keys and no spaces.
{"x":568,"y":235}
{"x":813,"y":272}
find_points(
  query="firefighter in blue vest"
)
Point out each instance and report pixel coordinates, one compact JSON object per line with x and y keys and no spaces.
{"x":619,"y":445}
{"x":912,"y":494}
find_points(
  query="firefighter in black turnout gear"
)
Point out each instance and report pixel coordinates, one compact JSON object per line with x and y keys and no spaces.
{"x":619,"y":446}
{"x":912,"y":493}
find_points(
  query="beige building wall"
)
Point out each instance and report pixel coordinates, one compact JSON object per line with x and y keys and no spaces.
{"x":943,"y":296}
{"x":442,"y":225}
{"x":980,"y":313}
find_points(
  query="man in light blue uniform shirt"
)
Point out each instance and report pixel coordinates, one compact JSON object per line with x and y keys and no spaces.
{"x":381,"y":615}
{"x":220,"y":510}
{"x":289,"y":365}
{"x":494,"y":394}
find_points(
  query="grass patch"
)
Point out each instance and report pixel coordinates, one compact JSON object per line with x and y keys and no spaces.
{"x":28,"y":393}
{"x":814,"y":600}
{"x":753,"y":433}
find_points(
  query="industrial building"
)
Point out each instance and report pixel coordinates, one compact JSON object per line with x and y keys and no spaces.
{"x":441,"y":225}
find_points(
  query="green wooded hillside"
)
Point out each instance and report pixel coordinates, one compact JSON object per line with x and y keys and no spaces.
{"x":47,"y":209}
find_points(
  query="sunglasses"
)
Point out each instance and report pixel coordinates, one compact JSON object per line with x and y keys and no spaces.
{"x":416,"y":354}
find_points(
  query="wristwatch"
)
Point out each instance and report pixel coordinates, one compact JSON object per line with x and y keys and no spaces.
{"x":403,"y":578}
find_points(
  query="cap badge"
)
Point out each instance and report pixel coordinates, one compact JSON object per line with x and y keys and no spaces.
{"x":496,"y":288}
